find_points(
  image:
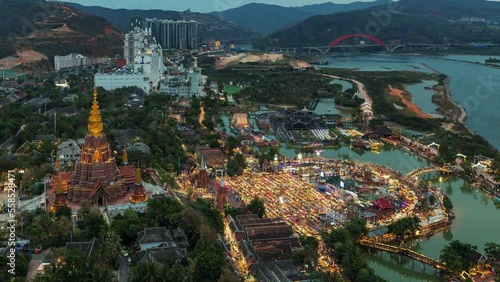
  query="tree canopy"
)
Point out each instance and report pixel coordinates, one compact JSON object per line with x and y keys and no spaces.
{"x":257,"y":206}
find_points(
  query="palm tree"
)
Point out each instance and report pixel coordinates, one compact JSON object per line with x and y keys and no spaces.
{"x":110,"y":246}
{"x":149,"y":272}
{"x":103,"y":274}
{"x":497,"y":178}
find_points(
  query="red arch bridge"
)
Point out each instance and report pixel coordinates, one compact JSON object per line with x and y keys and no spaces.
{"x":336,"y":44}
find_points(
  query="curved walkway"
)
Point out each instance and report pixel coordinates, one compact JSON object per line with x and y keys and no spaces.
{"x":366,"y":107}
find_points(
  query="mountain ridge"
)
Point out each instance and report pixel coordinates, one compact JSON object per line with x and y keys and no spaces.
{"x":411,"y":21}
{"x":267,"y":18}
{"x":210,"y":27}
{"x":45,"y":29}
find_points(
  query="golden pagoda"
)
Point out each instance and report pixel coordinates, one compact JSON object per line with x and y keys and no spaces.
{"x":60,"y":199}
{"x":57,"y":163}
{"x":138,"y":194}
{"x":96,"y":176}
{"x":125,"y":156}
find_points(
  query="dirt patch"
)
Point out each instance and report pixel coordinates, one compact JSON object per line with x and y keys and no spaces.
{"x":299,"y":64}
{"x":222,"y":62}
{"x":23,"y":57}
{"x":409,"y":105}
{"x":262,"y":58}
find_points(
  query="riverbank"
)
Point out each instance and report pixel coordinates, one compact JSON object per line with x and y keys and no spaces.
{"x":455,"y":114}
{"x":408,"y":103}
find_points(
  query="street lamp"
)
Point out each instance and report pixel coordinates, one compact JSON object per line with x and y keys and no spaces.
{"x":299,"y":157}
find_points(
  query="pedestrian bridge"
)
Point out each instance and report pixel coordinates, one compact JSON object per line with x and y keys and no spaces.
{"x":405,"y":252}
{"x":447,"y":168}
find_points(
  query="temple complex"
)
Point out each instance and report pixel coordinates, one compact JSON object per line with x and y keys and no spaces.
{"x":96,"y":177}
{"x":138,"y":194}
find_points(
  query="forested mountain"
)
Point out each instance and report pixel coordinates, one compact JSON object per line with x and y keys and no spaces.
{"x":412,"y":21}
{"x":54,"y":28}
{"x":266,"y":18}
{"x":210,"y":27}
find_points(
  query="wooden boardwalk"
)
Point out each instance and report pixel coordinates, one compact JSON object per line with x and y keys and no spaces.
{"x":406,"y":252}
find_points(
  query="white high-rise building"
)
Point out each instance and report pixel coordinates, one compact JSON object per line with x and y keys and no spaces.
{"x":134,"y":41}
{"x":144,"y":64}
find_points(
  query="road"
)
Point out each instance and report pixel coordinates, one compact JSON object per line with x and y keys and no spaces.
{"x":366,"y":107}
{"x":123,"y":269}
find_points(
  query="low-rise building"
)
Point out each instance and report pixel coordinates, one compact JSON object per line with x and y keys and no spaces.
{"x":155,"y":237}
{"x":264,"y":239}
{"x":76,"y":60}
{"x":68,"y":151}
{"x":182,"y":84}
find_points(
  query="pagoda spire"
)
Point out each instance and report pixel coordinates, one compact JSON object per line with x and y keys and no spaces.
{"x":59,"y":186}
{"x":203,"y":164}
{"x":60,"y":199}
{"x":221,"y":183}
{"x":57,"y":162}
{"x":125,"y":156}
{"x":95,"y":126}
{"x":138,"y":178}
{"x":138,"y":194}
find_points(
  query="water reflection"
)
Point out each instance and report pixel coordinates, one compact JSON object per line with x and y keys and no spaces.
{"x":448,"y":235}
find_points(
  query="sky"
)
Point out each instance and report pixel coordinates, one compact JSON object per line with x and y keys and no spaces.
{"x":197,"y":5}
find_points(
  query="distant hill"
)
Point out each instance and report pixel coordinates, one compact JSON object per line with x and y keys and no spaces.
{"x":263,"y":18}
{"x":52,"y":28}
{"x":416,"y":21}
{"x":266,"y":18}
{"x":210,"y":27}
{"x":332,"y":8}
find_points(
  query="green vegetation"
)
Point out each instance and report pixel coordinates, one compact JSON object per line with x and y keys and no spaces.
{"x":447,"y":204}
{"x":458,"y":256}
{"x":257,"y":206}
{"x":376,"y":84}
{"x":231,"y":89}
{"x":405,"y":228}
{"x":309,"y":255}
{"x":157,"y":272}
{"x":492,"y":251}
{"x":200,"y":221}
{"x":492,"y":60}
{"x":342,"y":245}
{"x":273,"y":85}
{"x":21,"y":18}
{"x":236,"y":165}
{"x":22,"y":261}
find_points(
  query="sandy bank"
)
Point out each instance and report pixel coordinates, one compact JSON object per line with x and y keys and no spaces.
{"x":409,"y":104}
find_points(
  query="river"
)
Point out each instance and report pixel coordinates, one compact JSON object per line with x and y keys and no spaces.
{"x":473,"y":86}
